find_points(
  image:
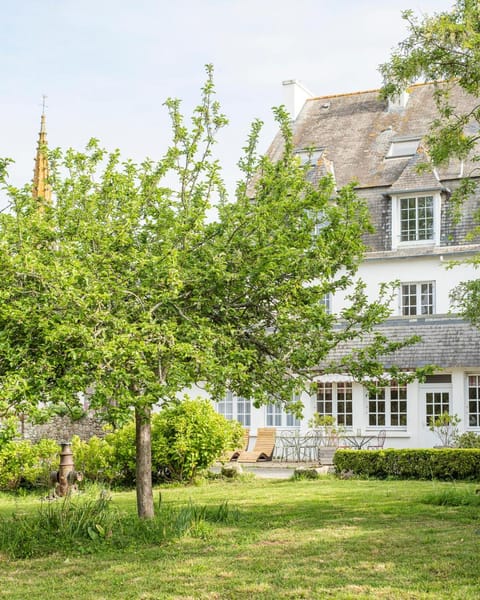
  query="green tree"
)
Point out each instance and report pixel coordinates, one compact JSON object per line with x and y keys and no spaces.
{"x":124,"y":286}
{"x":445,"y":48}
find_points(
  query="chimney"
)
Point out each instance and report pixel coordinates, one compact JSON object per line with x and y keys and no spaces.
{"x":295,"y":95}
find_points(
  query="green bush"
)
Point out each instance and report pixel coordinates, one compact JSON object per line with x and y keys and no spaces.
{"x":95,"y":459}
{"x":23,"y":464}
{"x":189,"y":437}
{"x":443,"y":463}
{"x":468,"y":439}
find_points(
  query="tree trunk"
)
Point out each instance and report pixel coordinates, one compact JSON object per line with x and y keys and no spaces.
{"x":143,"y":438}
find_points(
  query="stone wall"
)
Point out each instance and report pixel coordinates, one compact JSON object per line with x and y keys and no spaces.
{"x":61,"y":429}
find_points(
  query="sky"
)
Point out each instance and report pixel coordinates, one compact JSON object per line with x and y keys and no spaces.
{"x":107,"y":66}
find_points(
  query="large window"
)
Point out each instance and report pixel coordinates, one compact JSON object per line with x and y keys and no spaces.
{"x":417,"y":298}
{"x":474,"y":400}
{"x":235,"y":407}
{"x":387,"y":406}
{"x":416,"y":219}
{"x":335,"y":399}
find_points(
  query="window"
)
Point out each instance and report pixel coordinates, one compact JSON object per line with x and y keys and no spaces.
{"x":403,"y":147}
{"x":474,"y":400}
{"x":278,"y":417}
{"x":417,"y":298}
{"x":309,"y":156}
{"x":416,"y":219}
{"x":437,"y":403}
{"x":387,"y":406}
{"x":335,"y":399}
{"x":326,"y":302}
{"x":235,"y":407}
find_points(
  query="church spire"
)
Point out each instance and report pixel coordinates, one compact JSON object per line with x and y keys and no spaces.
{"x":41,"y":187}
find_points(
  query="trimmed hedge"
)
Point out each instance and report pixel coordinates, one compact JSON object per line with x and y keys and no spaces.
{"x":424,"y":463}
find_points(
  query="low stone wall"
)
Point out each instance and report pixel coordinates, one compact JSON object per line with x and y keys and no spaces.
{"x":61,"y":429}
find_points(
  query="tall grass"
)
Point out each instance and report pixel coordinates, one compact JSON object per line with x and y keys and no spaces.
{"x":83,"y":524}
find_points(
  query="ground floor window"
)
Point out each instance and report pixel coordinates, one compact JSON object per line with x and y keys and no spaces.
{"x":436,"y":403}
{"x":474,"y":400}
{"x":387,"y":406}
{"x":235,"y":407}
{"x":277,"y":416}
{"x":335,"y":399}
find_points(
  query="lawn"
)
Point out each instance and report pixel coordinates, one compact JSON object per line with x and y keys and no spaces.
{"x":290,"y":539}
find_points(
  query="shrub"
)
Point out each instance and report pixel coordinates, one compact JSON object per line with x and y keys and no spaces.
{"x":95,"y":459}
{"x":23,"y":464}
{"x":468,"y":440}
{"x":189,"y":437}
{"x":122,"y":443}
{"x":445,"y":463}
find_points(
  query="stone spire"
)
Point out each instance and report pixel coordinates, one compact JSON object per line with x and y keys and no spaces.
{"x":41,"y":187}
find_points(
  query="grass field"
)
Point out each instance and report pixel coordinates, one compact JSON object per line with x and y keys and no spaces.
{"x":290,"y":539}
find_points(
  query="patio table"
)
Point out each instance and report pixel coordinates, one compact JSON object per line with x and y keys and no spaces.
{"x":357,"y":442}
{"x":297,"y":447}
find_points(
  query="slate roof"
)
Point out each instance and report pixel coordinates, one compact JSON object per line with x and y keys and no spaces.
{"x":410,"y":180}
{"x":446,"y":342}
{"x":356,"y":130}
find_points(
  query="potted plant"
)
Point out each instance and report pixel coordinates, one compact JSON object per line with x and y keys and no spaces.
{"x":445,"y":427}
{"x":329,"y":435}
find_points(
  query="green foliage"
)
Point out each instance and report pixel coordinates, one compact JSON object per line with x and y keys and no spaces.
{"x":8,"y":430}
{"x":189,"y":437}
{"x":96,"y":460}
{"x":469,"y":439}
{"x":448,"y":463}
{"x":23,"y":464}
{"x":445,"y":48}
{"x":125,"y":281}
{"x":445,"y":427}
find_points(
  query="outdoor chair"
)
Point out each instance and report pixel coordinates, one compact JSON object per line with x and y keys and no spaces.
{"x":232,"y":455}
{"x":382,"y":434}
{"x":263,"y":449}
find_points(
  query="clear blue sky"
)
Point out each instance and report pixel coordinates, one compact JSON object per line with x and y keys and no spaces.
{"x":108,"y":65}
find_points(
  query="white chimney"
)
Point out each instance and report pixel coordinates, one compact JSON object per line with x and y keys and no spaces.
{"x":295,"y":95}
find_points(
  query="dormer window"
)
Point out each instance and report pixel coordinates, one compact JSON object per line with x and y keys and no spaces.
{"x":309,"y":156}
{"x":415,"y":219}
{"x":401,"y":147}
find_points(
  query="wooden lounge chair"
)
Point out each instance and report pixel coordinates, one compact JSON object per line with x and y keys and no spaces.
{"x":263,"y":449}
{"x":232,"y":455}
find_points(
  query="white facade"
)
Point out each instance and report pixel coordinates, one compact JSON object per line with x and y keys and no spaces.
{"x":379,"y":146}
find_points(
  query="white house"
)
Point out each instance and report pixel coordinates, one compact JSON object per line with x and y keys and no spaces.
{"x":379,"y":144}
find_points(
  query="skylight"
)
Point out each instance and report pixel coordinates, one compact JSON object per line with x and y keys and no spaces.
{"x":403,"y":147}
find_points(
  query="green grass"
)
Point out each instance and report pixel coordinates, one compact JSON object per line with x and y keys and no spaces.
{"x":325,"y":538}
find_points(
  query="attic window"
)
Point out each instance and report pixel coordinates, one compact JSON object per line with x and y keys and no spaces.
{"x":309,"y":156}
{"x":403,"y":147}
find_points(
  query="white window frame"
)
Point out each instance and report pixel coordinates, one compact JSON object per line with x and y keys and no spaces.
{"x":396,"y":220}
{"x":389,"y":395}
{"x":235,"y":407}
{"x":412,"y":143}
{"x":277,"y":416}
{"x":340,"y":392}
{"x":473,"y":404}
{"x":419,"y":294}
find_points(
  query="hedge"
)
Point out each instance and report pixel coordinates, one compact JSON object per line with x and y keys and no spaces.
{"x":424,"y":463}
